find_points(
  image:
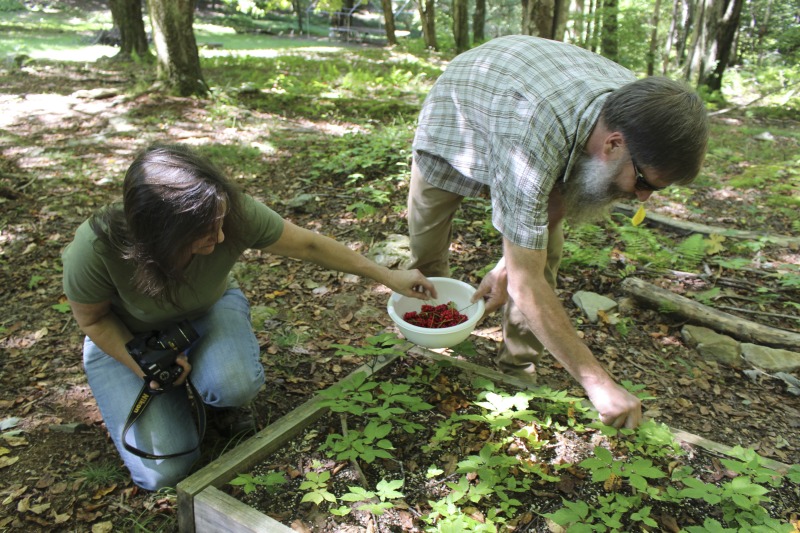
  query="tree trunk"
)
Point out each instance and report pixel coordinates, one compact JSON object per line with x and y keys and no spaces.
{"x":461,"y":25}
{"x":479,"y":22}
{"x":176,"y":48}
{"x":594,"y":40}
{"x":696,"y":48}
{"x":127,"y":16}
{"x":560,"y":19}
{"x":299,"y":9}
{"x":578,"y":27}
{"x":539,"y":18}
{"x":671,"y":34}
{"x":388,"y":21}
{"x":610,"y":37}
{"x":762,"y":28}
{"x":427,"y":17}
{"x":651,"y":55}
{"x":686,"y":20}
{"x":723,"y":23}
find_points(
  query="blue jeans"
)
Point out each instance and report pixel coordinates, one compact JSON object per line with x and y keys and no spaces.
{"x":226,"y":371}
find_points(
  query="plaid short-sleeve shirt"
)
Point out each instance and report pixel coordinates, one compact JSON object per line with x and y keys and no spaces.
{"x":514,"y":115}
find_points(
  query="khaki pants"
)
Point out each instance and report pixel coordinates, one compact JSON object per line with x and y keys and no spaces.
{"x":430,"y":219}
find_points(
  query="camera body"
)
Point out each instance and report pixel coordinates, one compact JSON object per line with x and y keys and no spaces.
{"x":155,"y":352}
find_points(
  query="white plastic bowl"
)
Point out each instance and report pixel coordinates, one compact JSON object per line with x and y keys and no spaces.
{"x":448,"y":290}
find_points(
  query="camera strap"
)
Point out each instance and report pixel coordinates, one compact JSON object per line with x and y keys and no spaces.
{"x":142,"y":401}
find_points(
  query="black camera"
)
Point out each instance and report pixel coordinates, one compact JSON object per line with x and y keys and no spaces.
{"x":155,"y":352}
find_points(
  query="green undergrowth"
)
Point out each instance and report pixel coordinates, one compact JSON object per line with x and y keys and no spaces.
{"x":521,"y":450}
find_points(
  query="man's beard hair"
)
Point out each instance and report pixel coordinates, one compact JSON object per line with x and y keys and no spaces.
{"x":591,"y":189}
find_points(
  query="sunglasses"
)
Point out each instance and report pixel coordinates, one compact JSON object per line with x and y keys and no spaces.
{"x":641,"y":183}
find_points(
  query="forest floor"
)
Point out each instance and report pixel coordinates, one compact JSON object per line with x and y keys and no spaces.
{"x":63,"y":152}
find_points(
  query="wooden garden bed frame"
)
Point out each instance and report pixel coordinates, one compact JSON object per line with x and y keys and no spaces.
{"x":204,"y":508}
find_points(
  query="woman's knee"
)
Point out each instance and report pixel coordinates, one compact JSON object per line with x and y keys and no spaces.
{"x":237,"y":394}
{"x":163,"y":473}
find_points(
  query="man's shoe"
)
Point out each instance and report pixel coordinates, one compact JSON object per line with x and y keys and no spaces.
{"x":233,"y":421}
{"x":524,"y":374}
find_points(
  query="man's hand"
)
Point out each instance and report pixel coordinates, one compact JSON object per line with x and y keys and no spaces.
{"x":617,"y":406}
{"x":411,"y":283}
{"x":493,"y":288}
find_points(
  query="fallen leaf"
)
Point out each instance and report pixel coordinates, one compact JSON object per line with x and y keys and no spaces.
{"x":60,"y":518}
{"x":99,"y":493}
{"x":714,"y":244}
{"x":638,"y":218}
{"x":8,"y":461}
{"x":16,"y":493}
{"x":102,"y":527}
{"x":14,"y":441}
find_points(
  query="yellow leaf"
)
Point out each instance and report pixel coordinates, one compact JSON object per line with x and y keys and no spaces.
{"x":638,"y":218}
{"x":613,"y":483}
{"x":714,"y":243}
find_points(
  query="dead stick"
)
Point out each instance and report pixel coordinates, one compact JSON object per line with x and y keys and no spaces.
{"x":754,"y":312}
{"x":737,"y":327}
{"x":684,"y":226}
{"x":362,"y":478}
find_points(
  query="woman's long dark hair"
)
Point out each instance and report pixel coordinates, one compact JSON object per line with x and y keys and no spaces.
{"x":171,"y":197}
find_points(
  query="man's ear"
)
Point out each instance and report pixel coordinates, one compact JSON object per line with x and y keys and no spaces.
{"x":613,"y":143}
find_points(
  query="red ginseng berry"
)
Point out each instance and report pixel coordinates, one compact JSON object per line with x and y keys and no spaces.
{"x":439,"y":316}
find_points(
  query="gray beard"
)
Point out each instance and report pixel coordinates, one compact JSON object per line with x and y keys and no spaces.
{"x":591,"y":189}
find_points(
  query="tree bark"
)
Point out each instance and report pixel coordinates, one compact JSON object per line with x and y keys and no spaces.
{"x":461,"y":25}
{"x":560,"y":19}
{"x":127,"y":16}
{"x":298,"y":7}
{"x":427,"y":16}
{"x":388,"y":21}
{"x":610,"y":38}
{"x":696,"y":48}
{"x":594,"y":40}
{"x":723,"y":23}
{"x":479,"y":22}
{"x":578,"y":27}
{"x":539,"y":18}
{"x":671,"y":36}
{"x":732,"y":325}
{"x":176,"y":48}
{"x":651,"y":55}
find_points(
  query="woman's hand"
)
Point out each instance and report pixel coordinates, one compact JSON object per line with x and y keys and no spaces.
{"x":411,"y":283}
{"x":183,"y":362}
{"x":493,"y":288}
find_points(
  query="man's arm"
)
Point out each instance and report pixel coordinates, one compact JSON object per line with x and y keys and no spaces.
{"x":550,"y":323}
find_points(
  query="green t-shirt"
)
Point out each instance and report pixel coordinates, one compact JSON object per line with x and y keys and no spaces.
{"x":93,"y":273}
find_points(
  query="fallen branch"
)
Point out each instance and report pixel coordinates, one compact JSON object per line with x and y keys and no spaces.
{"x":683,"y":226}
{"x":737,"y":327}
{"x":762,"y":313}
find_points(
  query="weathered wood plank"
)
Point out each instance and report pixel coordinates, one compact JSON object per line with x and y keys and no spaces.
{"x":243,"y":457}
{"x":215,"y":511}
